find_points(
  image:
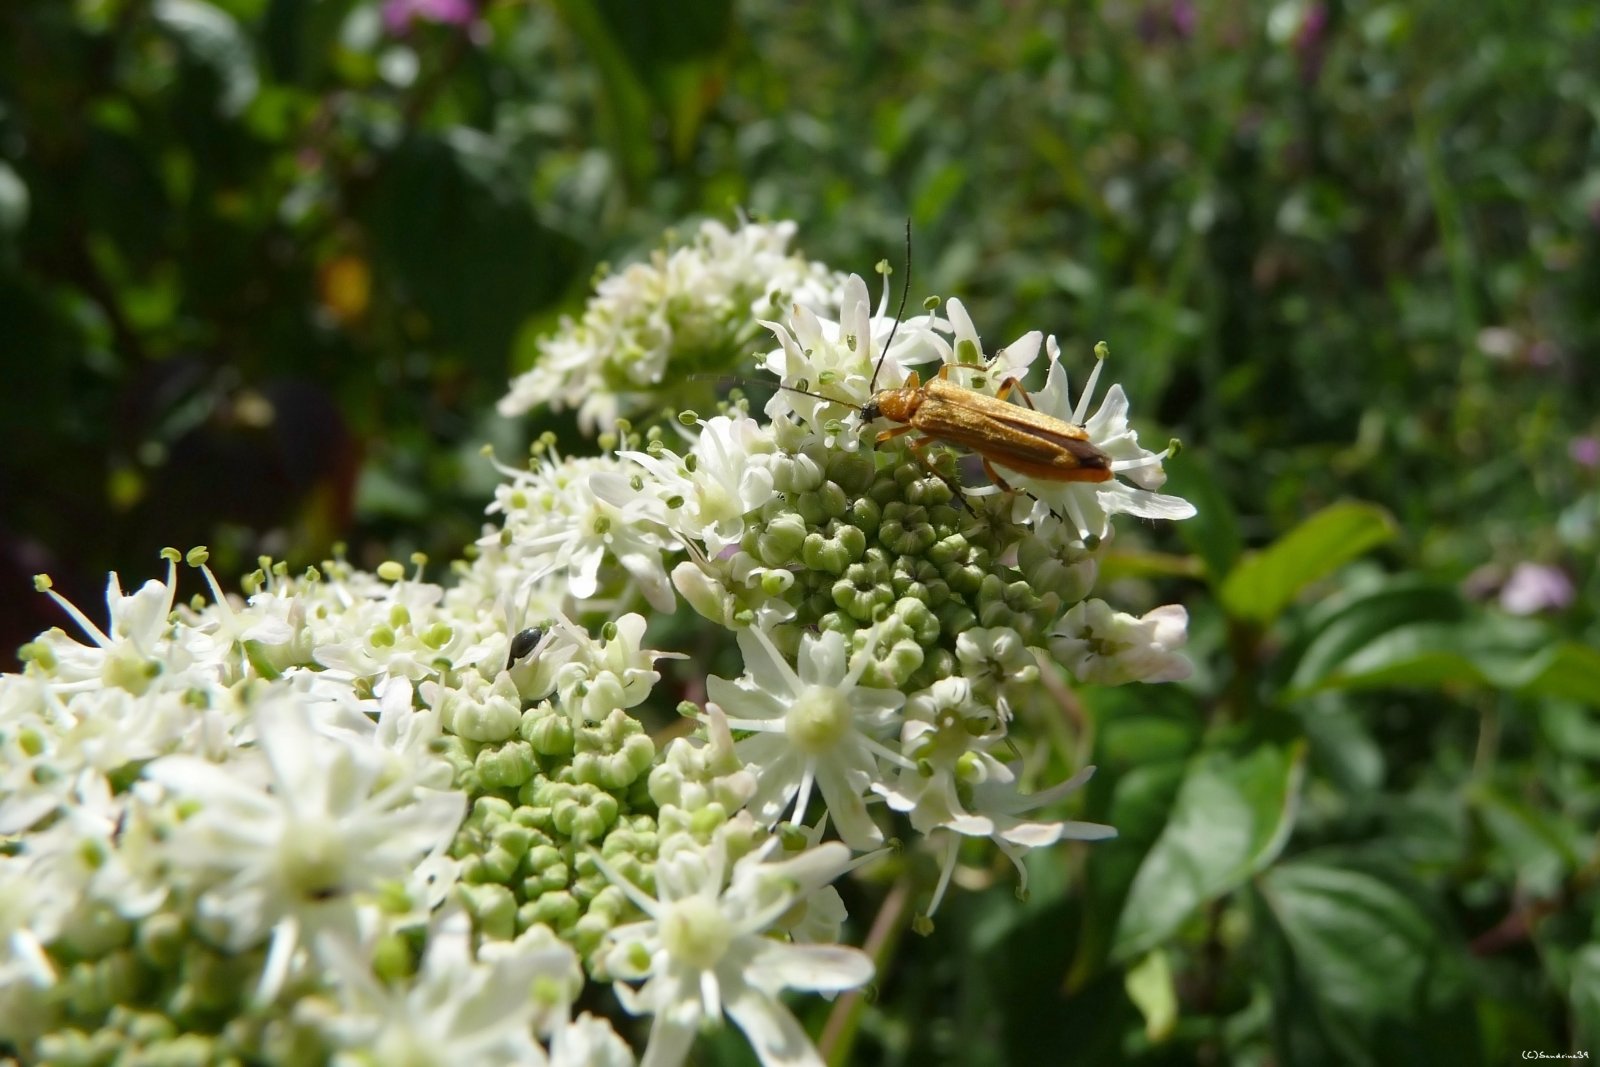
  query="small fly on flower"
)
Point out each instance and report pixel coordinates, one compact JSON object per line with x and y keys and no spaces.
{"x":1001,"y":434}
{"x":522,"y":644}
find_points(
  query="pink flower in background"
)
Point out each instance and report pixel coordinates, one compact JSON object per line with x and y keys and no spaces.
{"x":1535,"y":587}
{"x":1585,"y":451}
{"x":1311,"y":42}
{"x":398,"y":15}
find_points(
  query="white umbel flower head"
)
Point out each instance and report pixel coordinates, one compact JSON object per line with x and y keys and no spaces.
{"x":691,"y":309}
{"x":704,"y":949}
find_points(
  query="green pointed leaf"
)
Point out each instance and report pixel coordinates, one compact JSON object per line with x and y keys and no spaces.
{"x":1488,"y":652}
{"x":1569,"y":671}
{"x":1350,"y":623}
{"x":1361,"y":973}
{"x":1266,"y":582}
{"x":1230,"y":820}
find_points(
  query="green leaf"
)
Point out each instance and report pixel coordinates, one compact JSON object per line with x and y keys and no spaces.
{"x":1231,"y":818}
{"x":1513,"y":656}
{"x":1350,"y":623}
{"x":625,"y":102}
{"x":1362,"y":974}
{"x":1568,"y":670}
{"x":1266,"y":582}
{"x":1143,"y":747}
{"x":1535,"y":849}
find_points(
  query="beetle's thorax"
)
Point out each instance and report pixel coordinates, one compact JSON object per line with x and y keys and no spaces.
{"x":898,"y":405}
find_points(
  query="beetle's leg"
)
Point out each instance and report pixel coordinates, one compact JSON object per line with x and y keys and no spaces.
{"x":994,"y":475}
{"x":897,"y":431}
{"x":944,"y":372}
{"x":1015,"y":383}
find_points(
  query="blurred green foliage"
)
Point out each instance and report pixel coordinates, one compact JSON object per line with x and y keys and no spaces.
{"x":266,"y":264}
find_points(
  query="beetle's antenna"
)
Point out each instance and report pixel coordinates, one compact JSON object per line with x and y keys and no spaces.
{"x":905,"y":291}
{"x":819,"y":396}
{"x":762,"y":383}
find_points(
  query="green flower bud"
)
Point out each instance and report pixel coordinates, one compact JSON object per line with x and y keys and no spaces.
{"x":496,"y":865}
{"x":929,"y":491}
{"x":955,"y":617}
{"x":795,"y":473}
{"x":924,"y":625}
{"x":825,"y":554}
{"x":905,"y":530}
{"x":809,"y":507}
{"x":861,"y":604}
{"x":488,"y":812}
{"x":493,"y":909}
{"x":392,"y":958}
{"x":964,"y":579}
{"x":892,"y":669}
{"x":834,"y":501}
{"x":865,"y":513}
{"x":485,"y":716}
{"x":851,"y":471}
{"x":506,"y":767}
{"x":547,"y":729}
{"x":852,"y":540}
{"x":948,"y":549}
{"x":584,"y":813}
{"x":837,"y":622}
{"x":557,"y":910}
{"x":160,"y":940}
{"x":779,"y":539}
{"x":587,"y":934}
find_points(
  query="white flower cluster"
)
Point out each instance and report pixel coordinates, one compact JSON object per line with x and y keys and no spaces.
{"x":248,"y":815}
{"x":689,"y":311}
{"x":362,"y":818}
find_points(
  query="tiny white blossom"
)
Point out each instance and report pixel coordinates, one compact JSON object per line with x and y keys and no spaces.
{"x":729,"y":479}
{"x":841,"y":358}
{"x":1102,"y":646}
{"x":813,"y":725}
{"x":703,"y":949}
